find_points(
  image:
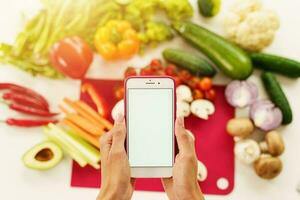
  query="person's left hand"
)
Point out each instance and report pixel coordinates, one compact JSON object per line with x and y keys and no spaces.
{"x":115,"y":170}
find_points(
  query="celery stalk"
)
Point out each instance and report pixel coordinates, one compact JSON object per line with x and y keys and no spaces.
{"x":91,"y":154}
{"x":69,"y":149}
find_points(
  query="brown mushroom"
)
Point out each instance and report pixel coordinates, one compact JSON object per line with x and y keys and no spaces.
{"x":268,"y":167}
{"x":273,"y":144}
{"x":240,"y":127}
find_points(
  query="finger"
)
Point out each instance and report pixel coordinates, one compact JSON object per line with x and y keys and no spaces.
{"x":184,"y":140}
{"x":168,"y":187}
{"x":119,"y":134}
{"x":105,"y":145}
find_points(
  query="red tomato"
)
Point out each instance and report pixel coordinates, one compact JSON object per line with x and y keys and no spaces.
{"x":197,"y":94}
{"x":171,"y":70}
{"x":184,"y":75}
{"x":210,"y":94}
{"x":119,"y":93}
{"x":205,"y":84}
{"x":156,"y":65}
{"x":147,"y":71}
{"x":193,"y":83}
{"x":130,"y":71}
{"x":177,"y":81}
{"x":71,"y":56}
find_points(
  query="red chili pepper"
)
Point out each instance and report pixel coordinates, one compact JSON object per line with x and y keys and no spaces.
{"x":28,"y":123}
{"x":25,"y":91}
{"x":31,"y":111}
{"x":24,"y":100}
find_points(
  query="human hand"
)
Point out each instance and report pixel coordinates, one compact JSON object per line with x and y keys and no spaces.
{"x":183,"y":185}
{"x":115,"y":171}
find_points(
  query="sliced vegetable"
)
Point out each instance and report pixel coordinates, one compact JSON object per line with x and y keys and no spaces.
{"x":27,"y":122}
{"x":85,"y":124}
{"x":209,"y":8}
{"x":277,"y":96}
{"x":81,"y":133}
{"x":241,"y":93}
{"x":71,"y":56}
{"x":80,"y":150}
{"x":184,"y":93}
{"x":202,"y":108}
{"x":43,"y":156}
{"x":276,"y":64}
{"x":189,"y":61}
{"x":183,"y":109}
{"x":117,"y":40}
{"x":91,"y":90}
{"x":119,"y":108}
{"x":265,"y":115}
{"x":233,"y":61}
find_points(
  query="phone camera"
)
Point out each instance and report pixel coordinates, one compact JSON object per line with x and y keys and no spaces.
{"x":158,"y":83}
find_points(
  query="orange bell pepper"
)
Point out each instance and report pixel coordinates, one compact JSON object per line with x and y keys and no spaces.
{"x":117,"y":40}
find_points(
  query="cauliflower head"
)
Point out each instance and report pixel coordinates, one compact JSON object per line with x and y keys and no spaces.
{"x":251,"y":26}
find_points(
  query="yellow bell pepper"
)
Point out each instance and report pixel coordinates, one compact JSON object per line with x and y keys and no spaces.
{"x":117,"y":40}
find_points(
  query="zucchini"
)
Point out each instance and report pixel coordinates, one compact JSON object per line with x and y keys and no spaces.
{"x":189,"y":61}
{"x":277,"y":64}
{"x":209,"y":8}
{"x":277,"y":96}
{"x":232,"y":60}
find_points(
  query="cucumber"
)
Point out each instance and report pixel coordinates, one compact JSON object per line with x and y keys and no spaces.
{"x":277,"y":64}
{"x":189,"y":61}
{"x":232,"y":60}
{"x":209,"y":8}
{"x":277,"y":96}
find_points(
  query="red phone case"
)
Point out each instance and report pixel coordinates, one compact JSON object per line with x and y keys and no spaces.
{"x":175,"y":150}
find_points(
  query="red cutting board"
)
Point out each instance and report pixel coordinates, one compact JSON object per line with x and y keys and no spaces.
{"x":214,"y":146}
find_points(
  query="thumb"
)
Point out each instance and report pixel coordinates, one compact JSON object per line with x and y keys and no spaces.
{"x":119,"y":133}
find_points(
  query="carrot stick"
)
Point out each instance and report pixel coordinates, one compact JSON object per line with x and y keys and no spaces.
{"x":81,"y":133}
{"x":85,"y":124}
{"x":95,"y":97}
{"x":83,"y":113}
{"x":90,"y":110}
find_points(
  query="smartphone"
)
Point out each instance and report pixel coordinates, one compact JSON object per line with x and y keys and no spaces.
{"x":150,"y":115}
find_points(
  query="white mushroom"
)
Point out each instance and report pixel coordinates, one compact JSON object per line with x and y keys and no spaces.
{"x":202,"y":108}
{"x":183,"y":109}
{"x":247,"y":151}
{"x":184,"y":93}
{"x":202,"y":172}
{"x":118,"y":109}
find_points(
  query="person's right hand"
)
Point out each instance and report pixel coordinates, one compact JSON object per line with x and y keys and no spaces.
{"x":183,"y":185}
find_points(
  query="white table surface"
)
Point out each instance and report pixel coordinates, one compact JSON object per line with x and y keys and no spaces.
{"x":18,"y":182}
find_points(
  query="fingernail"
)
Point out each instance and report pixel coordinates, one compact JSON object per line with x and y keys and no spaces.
{"x":120,"y":118}
{"x":180,"y":121}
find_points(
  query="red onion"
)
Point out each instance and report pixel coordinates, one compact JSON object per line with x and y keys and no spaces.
{"x":265,"y":115}
{"x":241,"y":93}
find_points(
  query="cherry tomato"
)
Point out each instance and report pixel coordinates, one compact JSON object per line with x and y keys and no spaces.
{"x":130,"y":71}
{"x":156,"y":65}
{"x":184,"y":75}
{"x":198,"y":94}
{"x":193,"y":83}
{"x":147,"y":71}
{"x":171,"y":70}
{"x":210,"y":94}
{"x":71,"y":56}
{"x":205,"y":84}
{"x":119,"y":93}
{"x":177,"y":81}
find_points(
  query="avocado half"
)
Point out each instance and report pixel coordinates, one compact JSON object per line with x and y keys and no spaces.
{"x":43,"y":156}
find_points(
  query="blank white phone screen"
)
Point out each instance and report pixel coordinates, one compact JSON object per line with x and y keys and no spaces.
{"x":150,"y":127}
